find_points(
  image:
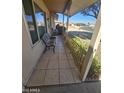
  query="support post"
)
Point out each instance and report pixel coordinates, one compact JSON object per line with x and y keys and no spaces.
{"x":67,"y":20}
{"x":63,"y":22}
{"x":67,"y":7}
{"x":92,"y":49}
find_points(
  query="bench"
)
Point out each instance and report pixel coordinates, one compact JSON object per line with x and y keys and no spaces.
{"x":49,"y":41}
{"x":50,"y":37}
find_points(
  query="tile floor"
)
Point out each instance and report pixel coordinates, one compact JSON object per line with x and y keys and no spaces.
{"x":55,"y":68}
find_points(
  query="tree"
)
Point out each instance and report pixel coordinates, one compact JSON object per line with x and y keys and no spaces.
{"x":92,"y":10}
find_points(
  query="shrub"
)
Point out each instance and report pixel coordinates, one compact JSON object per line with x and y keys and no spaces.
{"x":82,"y":43}
{"x":95,"y":69}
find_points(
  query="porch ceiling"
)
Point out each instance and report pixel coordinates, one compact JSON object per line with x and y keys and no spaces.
{"x":77,"y":5}
{"x":57,"y":6}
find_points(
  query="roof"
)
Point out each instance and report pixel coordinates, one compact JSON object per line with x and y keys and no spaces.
{"x":58,"y":6}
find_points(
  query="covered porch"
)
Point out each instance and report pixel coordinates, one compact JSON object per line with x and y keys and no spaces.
{"x":55,"y":68}
{"x":64,"y":66}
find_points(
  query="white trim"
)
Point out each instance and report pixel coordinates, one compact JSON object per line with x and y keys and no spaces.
{"x":35,"y":19}
{"x":44,"y":17}
{"x":27,"y":29}
{"x":45,"y":21}
{"x":26,"y":25}
{"x":92,"y":47}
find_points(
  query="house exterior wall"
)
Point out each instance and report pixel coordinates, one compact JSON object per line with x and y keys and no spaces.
{"x":50,"y":23}
{"x":52,"y":20}
{"x":30,"y":55}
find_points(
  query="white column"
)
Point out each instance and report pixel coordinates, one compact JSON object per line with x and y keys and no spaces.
{"x":63,"y":19}
{"x":67,"y":22}
{"x":92,"y":48}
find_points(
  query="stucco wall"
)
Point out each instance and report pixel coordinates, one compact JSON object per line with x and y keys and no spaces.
{"x":30,"y":55}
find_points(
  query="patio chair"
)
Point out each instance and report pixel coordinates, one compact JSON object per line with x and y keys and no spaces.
{"x":50,"y":37}
{"x":48,"y":42}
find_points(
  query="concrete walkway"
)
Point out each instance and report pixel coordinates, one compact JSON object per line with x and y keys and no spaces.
{"x":55,"y":68}
{"x":85,"y":87}
{"x":90,"y":87}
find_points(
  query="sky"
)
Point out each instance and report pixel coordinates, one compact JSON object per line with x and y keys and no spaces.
{"x":78,"y":18}
{"x":39,"y":17}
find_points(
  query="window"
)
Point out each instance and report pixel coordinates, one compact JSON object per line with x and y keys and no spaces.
{"x":29,"y":13}
{"x":40,"y":20}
